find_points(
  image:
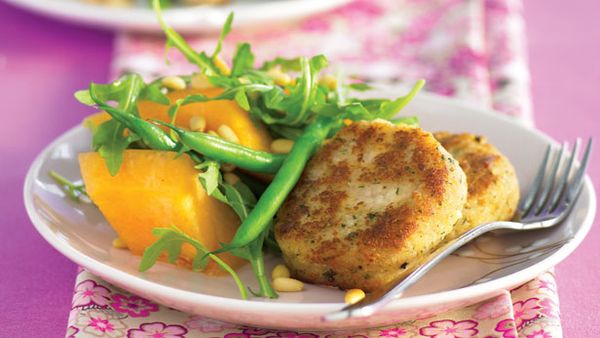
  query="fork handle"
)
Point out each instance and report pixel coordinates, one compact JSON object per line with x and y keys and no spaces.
{"x":382,"y":296}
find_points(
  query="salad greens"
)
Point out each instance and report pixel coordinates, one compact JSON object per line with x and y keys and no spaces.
{"x":241,"y":199}
{"x":73,"y":190}
{"x":303,"y":109}
{"x":171,"y":240}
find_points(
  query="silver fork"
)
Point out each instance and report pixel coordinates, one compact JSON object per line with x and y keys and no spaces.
{"x":555,"y":188}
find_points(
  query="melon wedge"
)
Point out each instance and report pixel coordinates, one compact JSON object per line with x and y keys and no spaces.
{"x":157,"y":189}
{"x":252,"y":134}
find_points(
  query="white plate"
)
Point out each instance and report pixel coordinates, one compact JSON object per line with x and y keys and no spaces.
{"x":193,"y":19}
{"x":80,"y":232}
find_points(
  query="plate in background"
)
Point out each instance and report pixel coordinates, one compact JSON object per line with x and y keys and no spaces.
{"x":192,"y":19}
{"x":480,"y":270}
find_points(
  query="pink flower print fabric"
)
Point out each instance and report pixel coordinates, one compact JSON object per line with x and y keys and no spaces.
{"x":291,"y":334}
{"x":507,"y":328}
{"x":207,"y":325}
{"x":88,"y":293}
{"x":449,"y":328}
{"x":393,"y":332}
{"x":97,"y":323}
{"x":72,"y":331}
{"x":539,"y":334}
{"x":543,"y":285}
{"x":549,"y":308}
{"x":157,"y":330}
{"x":495,"y":308}
{"x":133,"y":305}
{"x":525,"y":311}
{"x":520,"y":313}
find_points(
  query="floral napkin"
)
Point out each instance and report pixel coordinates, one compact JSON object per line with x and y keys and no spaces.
{"x":103,"y":310}
{"x":473,"y":50}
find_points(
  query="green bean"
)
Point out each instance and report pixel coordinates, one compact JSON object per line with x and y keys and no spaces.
{"x":152,"y":135}
{"x":228,"y":152}
{"x":283,"y":182}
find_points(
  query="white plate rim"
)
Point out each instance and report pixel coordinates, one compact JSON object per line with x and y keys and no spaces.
{"x":203,"y":18}
{"x":473,"y":291}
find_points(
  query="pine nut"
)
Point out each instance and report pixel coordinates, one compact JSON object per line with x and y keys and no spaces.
{"x":230,"y":178}
{"x":227,"y":134}
{"x":353,"y":296}
{"x":212,"y":133}
{"x":197,"y":123}
{"x":283,"y":284}
{"x":280,"y":78}
{"x":282,"y":146}
{"x":118,"y":243}
{"x":274,"y":71}
{"x":253,"y":95}
{"x":223,"y":67}
{"x":280,"y":271}
{"x":283,"y":79}
{"x":200,"y":81}
{"x":173,"y":82}
{"x":328,"y":81}
{"x":227,"y":167}
{"x":380,"y":120}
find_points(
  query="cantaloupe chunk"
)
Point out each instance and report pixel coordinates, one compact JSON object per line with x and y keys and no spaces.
{"x":95,"y":120}
{"x":251,"y":134}
{"x":157,"y":189}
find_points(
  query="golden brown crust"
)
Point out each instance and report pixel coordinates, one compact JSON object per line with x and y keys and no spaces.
{"x":369,"y":205}
{"x":492,"y":182}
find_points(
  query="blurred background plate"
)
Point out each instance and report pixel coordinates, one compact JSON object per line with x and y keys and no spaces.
{"x":188,"y":19}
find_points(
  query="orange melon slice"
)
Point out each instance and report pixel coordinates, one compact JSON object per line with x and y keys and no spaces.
{"x":251,"y":134}
{"x":157,"y":189}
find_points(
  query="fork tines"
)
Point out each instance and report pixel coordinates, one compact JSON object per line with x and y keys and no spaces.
{"x":557,"y":183}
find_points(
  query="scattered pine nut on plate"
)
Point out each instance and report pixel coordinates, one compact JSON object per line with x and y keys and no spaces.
{"x":283,"y":284}
{"x":280,"y":271}
{"x":353,"y":296}
{"x":118,"y":243}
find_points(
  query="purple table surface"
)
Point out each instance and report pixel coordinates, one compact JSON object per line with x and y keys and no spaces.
{"x":42,"y":62}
